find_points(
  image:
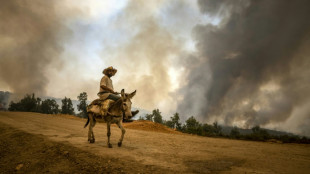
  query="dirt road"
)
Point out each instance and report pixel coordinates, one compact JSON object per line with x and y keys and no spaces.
{"x":39,"y":143}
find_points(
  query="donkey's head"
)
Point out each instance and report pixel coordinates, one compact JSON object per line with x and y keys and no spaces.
{"x":126,"y":106}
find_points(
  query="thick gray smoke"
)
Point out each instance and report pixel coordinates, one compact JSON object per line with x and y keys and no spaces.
{"x":252,"y":68}
{"x":143,"y":61}
{"x":31,"y":33}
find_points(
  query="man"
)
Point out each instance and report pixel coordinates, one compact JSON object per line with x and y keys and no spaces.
{"x":106,"y":90}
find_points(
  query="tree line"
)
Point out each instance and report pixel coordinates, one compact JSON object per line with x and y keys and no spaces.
{"x":192,"y":126}
{"x":30,"y":103}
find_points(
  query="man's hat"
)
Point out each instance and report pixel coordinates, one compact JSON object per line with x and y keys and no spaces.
{"x":109,"y":69}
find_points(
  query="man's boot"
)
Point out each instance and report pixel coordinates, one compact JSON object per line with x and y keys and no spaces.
{"x":133,"y":113}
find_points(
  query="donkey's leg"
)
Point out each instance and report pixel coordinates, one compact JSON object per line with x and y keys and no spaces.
{"x":91,"y":137}
{"x":89,"y":126}
{"x":120,"y":125}
{"x":109,"y":133}
{"x":93,"y":125}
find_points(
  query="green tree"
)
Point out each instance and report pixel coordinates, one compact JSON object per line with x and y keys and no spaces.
{"x":157,"y":116}
{"x":174,"y":122}
{"x":38,"y":105}
{"x":259,"y":134}
{"x":67,"y":107}
{"x":234,"y":133}
{"x":141,"y":118}
{"x":193,"y":126}
{"x":208,"y":130}
{"x":15,"y":106}
{"x":217,"y":128}
{"x":169,"y":123}
{"x":49,"y":106}
{"x":82,"y":106}
{"x":149,"y":117}
{"x":28,"y":104}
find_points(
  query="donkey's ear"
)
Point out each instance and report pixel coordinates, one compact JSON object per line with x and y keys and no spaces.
{"x":132,"y":94}
{"x":123,"y":93}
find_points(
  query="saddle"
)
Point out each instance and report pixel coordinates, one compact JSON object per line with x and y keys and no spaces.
{"x":100,"y":107}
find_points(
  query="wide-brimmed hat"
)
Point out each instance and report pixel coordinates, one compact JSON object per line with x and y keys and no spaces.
{"x":109,"y":69}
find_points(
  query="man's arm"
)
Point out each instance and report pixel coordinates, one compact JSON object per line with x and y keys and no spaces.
{"x":107,"y":89}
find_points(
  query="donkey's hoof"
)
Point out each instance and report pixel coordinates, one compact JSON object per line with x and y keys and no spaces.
{"x":119,"y":144}
{"x":92,"y":141}
{"x":110,"y":145}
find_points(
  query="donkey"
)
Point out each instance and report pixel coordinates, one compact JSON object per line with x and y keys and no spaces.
{"x":117,"y":110}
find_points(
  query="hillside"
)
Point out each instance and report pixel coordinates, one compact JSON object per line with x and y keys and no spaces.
{"x":150,"y":126}
{"x":40,"y":143}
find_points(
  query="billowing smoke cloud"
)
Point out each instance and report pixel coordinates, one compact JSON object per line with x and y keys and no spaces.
{"x":252,"y":68}
{"x":31,"y":33}
{"x":143,"y":62}
{"x":142,"y":40}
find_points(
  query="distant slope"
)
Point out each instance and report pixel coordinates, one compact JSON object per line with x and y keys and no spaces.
{"x":226,"y":131}
{"x":150,"y":126}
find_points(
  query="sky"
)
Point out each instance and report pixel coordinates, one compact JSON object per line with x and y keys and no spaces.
{"x":240,"y":63}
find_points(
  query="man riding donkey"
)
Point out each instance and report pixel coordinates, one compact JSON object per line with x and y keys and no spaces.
{"x":106,"y":92}
{"x":110,"y":107}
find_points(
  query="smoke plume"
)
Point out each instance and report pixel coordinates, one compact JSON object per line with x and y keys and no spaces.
{"x":31,"y":33}
{"x":252,"y":68}
{"x":143,"y":61}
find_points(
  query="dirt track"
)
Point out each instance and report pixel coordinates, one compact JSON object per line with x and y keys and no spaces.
{"x":38,"y":143}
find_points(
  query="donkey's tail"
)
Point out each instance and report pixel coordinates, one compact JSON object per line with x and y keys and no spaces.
{"x":87,"y":121}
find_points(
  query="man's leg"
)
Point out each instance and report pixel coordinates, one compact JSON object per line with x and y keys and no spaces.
{"x":105,"y":108}
{"x":113,"y":97}
{"x":105,"y":103}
